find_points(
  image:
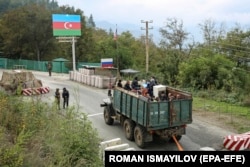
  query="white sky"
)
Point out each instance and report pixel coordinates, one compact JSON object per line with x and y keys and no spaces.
{"x":191,"y":12}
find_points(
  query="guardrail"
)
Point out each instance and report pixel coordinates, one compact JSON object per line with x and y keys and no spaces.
{"x":19,"y":67}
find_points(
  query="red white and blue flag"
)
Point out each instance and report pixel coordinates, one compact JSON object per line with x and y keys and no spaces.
{"x":107,"y":63}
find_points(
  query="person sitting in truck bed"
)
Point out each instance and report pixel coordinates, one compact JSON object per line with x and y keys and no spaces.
{"x":119,"y":84}
{"x":144,"y":91}
{"x":127,"y":86}
{"x":178,"y":96}
{"x":170,"y":97}
{"x":156,"y":99}
{"x":162,"y":96}
{"x":150,"y":98}
{"x":151,"y":84}
{"x":135,"y":84}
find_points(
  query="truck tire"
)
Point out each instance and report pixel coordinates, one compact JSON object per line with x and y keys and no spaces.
{"x":139,"y":135}
{"x":107,"y":116}
{"x":129,"y":127}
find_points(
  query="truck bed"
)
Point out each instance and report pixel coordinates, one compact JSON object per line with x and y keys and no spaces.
{"x":154,"y":115}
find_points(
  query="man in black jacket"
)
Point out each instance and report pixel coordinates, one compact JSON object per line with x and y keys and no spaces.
{"x":135,"y":85}
{"x":65,"y":96}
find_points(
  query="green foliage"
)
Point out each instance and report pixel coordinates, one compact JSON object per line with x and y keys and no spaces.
{"x":26,"y":33}
{"x":236,"y":115}
{"x":220,"y":96}
{"x":91,"y":22}
{"x":35,"y":134}
{"x":169,"y":68}
{"x":214,"y":72}
{"x":174,"y":37}
{"x":76,"y":140}
{"x":225,"y":107}
{"x":12,"y":154}
{"x":26,"y":30}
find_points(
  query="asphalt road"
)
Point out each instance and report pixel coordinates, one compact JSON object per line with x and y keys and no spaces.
{"x":87,"y":99}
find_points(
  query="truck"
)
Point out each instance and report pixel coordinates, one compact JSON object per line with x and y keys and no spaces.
{"x":144,"y":120}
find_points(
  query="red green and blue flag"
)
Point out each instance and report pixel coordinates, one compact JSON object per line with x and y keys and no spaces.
{"x":66,"y":25}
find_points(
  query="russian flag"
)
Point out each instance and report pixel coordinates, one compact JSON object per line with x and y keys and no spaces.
{"x":107,"y":62}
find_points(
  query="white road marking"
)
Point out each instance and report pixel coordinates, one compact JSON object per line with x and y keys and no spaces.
{"x":94,"y":114}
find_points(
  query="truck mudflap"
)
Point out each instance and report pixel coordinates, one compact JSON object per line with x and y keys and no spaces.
{"x":169,"y":132}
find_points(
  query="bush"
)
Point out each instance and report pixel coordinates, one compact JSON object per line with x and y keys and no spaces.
{"x":35,"y":135}
{"x":246,"y":102}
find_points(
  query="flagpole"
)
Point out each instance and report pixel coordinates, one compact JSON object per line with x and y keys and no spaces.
{"x":73,"y":54}
{"x":117,"y":56}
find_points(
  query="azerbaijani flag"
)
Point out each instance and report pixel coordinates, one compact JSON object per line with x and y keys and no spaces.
{"x":66,"y":25}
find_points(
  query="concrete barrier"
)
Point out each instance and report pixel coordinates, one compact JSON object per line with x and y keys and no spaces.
{"x":129,"y":149}
{"x":109,"y":143}
{"x":207,"y":149}
{"x":117,"y":147}
{"x":113,"y":145}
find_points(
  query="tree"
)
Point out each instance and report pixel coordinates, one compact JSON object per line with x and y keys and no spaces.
{"x":211,"y":33}
{"x":172,"y":44}
{"x":7,"y":5}
{"x":235,"y":44}
{"x":4,"y":5}
{"x":27,"y":33}
{"x":173,"y":34}
{"x":215,"y":72}
{"x":91,"y":22}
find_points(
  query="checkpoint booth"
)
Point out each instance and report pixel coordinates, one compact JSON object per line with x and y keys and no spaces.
{"x":102,"y":76}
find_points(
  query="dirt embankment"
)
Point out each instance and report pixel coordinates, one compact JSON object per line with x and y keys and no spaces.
{"x":10,"y":80}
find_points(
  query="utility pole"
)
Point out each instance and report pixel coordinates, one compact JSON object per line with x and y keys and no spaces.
{"x":117,"y":56}
{"x":146,"y":42}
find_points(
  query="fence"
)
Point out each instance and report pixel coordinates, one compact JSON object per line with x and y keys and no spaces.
{"x":57,"y":66}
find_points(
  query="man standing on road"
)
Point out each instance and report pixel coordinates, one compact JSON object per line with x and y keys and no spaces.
{"x":57,"y":97}
{"x":49,"y":68}
{"x":65,"y":96}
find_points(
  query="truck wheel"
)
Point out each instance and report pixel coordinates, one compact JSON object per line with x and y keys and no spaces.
{"x":178,"y":137}
{"x":107,"y":117}
{"x":129,"y":127}
{"x":139,"y":135}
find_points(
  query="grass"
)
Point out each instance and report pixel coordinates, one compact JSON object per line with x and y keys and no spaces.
{"x":237,"y":116}
{"x":222,"y":107}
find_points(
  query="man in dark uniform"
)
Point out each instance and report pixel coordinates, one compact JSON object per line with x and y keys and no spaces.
{"x":135,"y":84}
{"x":49,"y":68}
{"x":57,"y":97}
{"x":65,"y":96}
{"x":119,"y":84}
